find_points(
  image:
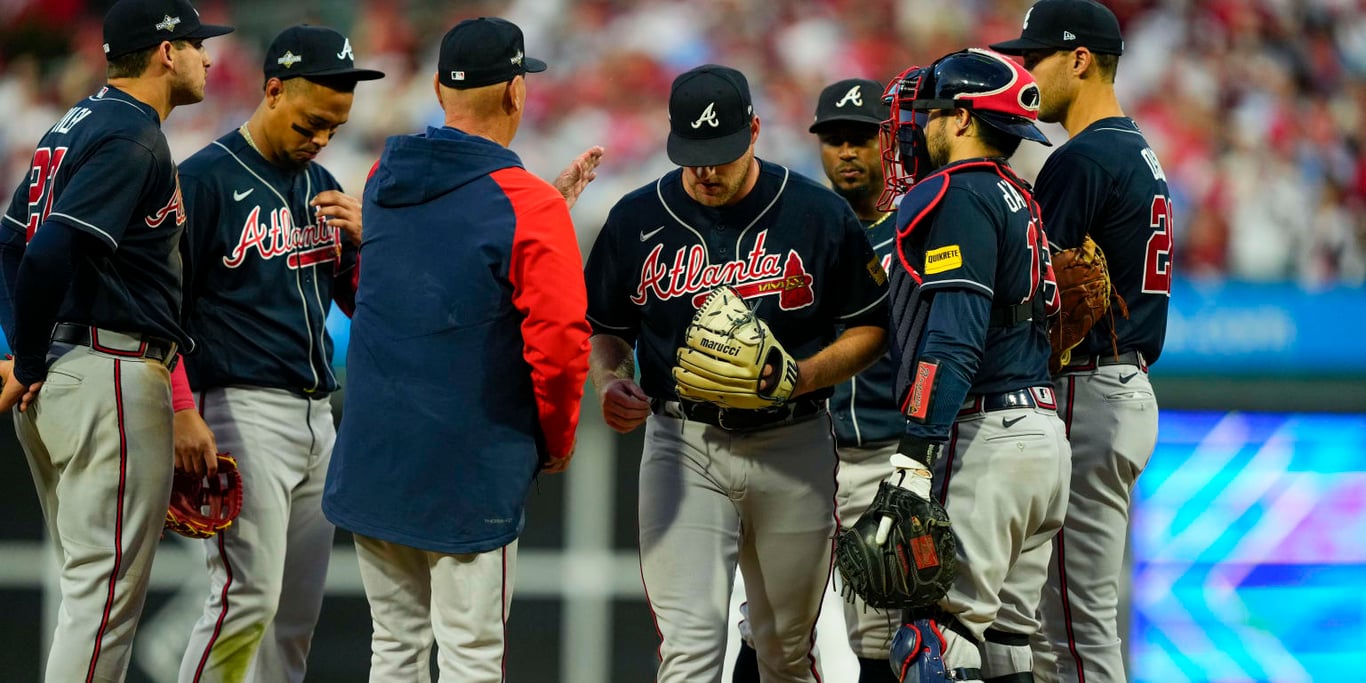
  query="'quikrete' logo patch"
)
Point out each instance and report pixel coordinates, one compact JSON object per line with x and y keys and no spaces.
{"x":942,"y":259}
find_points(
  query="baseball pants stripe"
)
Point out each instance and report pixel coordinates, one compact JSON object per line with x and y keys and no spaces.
{"x":118,"y":521}
{"x":223,"y":612}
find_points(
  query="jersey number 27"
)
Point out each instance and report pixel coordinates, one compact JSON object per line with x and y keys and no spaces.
{"x":46,"y":161}
{"x":1157,"y":265}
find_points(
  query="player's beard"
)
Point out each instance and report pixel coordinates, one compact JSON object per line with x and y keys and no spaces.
{"x":937,"y":146}
{"x":721,"y":189}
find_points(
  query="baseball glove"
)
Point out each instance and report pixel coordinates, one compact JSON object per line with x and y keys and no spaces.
{"x":725,"y":350}
{"x":917,"y":563}
{"x":203,"y":506}
{"x":1085,"y":292}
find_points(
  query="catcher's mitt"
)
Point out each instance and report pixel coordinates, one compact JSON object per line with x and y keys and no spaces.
{"x":917,"y":563}
{"x":203,"y":506}
{"x":724,"y":353}
{"x":1085,"y":291}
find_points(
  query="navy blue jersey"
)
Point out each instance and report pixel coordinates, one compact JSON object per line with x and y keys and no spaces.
{"x":105,"y":169}
{"x":261,"y":272}
{"x":864,"y":407}
{"x":792,"y":247}
{"x":1106,"y":181}
{"x":970,"y":228}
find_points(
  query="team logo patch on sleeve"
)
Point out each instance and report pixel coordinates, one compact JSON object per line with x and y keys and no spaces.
{"x":876,"y":270}
{"x":943,"y":259}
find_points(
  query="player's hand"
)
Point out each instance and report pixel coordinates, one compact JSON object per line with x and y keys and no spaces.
{"x":624,"y":404}
{"x":558,"y":465}
{"x":342,"y":212}
{"x":195,"y":448}
{"x":909,"y":473}
{"x":14,"y":392}
{"x":576,"y":176}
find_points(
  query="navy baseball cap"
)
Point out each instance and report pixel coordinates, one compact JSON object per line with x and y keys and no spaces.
{"x":710,"y":111}
{"x":1066,"y":24}
{"x":484,"y":51}
{"x":855,"y":100}
{"x":132,"y":25}
{"x":314,"y":51}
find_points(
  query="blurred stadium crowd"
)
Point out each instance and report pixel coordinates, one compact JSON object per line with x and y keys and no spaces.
{"x":1257,"y":108}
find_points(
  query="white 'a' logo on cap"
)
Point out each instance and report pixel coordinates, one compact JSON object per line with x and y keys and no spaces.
{"x":346,"y":52}
{"x":1026,"y":24}
{"x":708,"y":117}
{"x":855,"y":95}
{"x":168,"y":23}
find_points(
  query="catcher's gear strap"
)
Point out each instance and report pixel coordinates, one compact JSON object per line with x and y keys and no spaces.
{"x":1007,"y":316}
{"x":1005,"y":637}
{"x":1017,"y":677}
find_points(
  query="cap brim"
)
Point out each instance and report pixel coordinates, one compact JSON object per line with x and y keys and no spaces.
{"x":708,"y":152}
{"x":850,"y":118}
{"x":347,"y":72}
{"x":210,"y":30}
{"x":1021,"y":45}
{"x":533,"y":65}
{"x":1014,"y":126}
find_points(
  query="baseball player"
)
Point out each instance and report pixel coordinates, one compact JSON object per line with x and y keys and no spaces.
{"x":469,"y":350}
{"x":91,"y":309}
{"x":867,"y":423}
{"x":271,"y":243}
{"x":1106,"y":182}
{"x":726,"y":485}
{"x":971,"y":289}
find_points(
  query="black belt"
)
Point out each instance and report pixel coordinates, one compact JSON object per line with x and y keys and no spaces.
{"x":128,"y":345}
{"x":735,"y":419}
{"x":1085,"y":363}
{"x":1033,"y":397}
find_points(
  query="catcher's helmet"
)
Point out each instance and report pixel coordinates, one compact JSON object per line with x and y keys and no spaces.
{"x":996,"y":89}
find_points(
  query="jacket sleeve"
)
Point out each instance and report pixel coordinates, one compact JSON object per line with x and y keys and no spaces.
{"x":545,"y":269}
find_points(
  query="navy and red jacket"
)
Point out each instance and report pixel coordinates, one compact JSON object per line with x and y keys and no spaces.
{"x":469,"y":347}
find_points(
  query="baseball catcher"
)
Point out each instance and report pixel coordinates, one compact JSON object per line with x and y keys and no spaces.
{"x":725,"y":353}
{"x":1085,"y":291}
{"x":203,"y":506}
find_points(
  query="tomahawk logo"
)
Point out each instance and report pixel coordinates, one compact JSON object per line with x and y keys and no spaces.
{"x":854,"y":96}
{"x":346,"y":52}
{"x":708,"y":117}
